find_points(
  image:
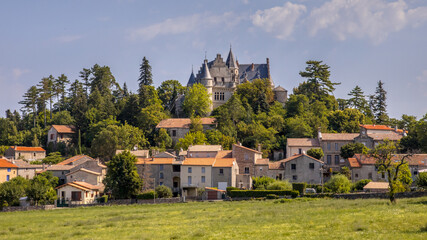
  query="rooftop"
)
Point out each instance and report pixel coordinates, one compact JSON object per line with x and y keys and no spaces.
{"x":27,"y":149}
{"x":64,"y":128}
{"x":24,"y":164}
{"x":339,"y":136}
{"x":376,"y":127}
{"x":303,"y":142}
{"x":376,"y":185}
{"x":224,"y":162}
{"x":6,"y":164}
{"x":246,"y":148}
{"x":80,"y":185}
{"x":182,"y":122}
{"x":414,"y":160}
{"x":73,"y":159}
{"x":204,"y":148}
{"x":198,"y":161}
{"x":84,"y":170}
{"x":155,"y":160}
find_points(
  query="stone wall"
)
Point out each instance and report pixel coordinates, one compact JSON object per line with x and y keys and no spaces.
{"x":380,"y":195}
{"x":19,"y":208}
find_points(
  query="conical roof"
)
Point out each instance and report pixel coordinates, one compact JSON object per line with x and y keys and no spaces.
{"x":231,"y":61}
{"x":191,"y":80}
{"x":205,"y":71}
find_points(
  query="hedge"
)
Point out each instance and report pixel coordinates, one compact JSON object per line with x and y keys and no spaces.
{"x":146,"y":195}
{"x":300,"y":187}
{"x":261,"y":193}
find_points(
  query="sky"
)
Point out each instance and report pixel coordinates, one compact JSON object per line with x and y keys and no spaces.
{"x":363,"y":41}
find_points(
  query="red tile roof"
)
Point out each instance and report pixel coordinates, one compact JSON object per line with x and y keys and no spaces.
{"x":376,"y":185}
{"x":262,"y":161}
{"x":6,"y":164}
{"x":28,"y":149}
{"x":64,"y":128}
{"x":376,"y":127}
{"x":224,"y":154}
{"x":80,"y":185}
{"x":182,"y":122}
{"x":224,"y":162}
{"x":303,"y":142}
{"x":354,"y":163}
{"x":198,"y":161}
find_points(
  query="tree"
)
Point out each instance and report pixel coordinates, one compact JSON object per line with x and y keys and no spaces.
{"x":379,"y":105}
{"x":131,"y":111}
{"x":85,"y":76}
{"x":421,"y":180}
{"x":30,"y":102}
{"x":63,"y":118}
{"x":145,"y":76}
{"x":163,"y":192}
{"x":388,"y":162}
{"x":53,"y":158}
{"x":168,"y":93}
{"x":163,"y":139}
{"x":41,"y":188}
{"x":197,"y":101}
{"x":196,"y":124}
{"x":345,"y":121}
{"x":317,"y":153}
{"x":358,"y":186}
{"x":348,"y":150}
{"x":339,"y":184}
{"x":258,"y":94}
{"x":215,"y":137}
{"x":261,"y":183}
{"x":122,"y":179}
{"x":12,"y":190}
{"x":280,"y":185}
{"x":59,"y":86}
{"x":46,"y":93}
{"x":191,"y":138}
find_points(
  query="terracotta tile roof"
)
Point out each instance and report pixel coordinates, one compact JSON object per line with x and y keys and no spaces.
{"x":376,"y":185}
{"x":393,"y":136}
{"x":182,"y":122}
{"x":81,"y":185}
{"x":376,"y":127}
{"x":59,"y":167}
{"x":339,"y":136}
{"x":298,"y":156}
{"x":73,"y":159}
{"x":6,"y":164}
{"x":198,"y":161}
{"x":84,"y":170}
{"x":204,"y":148}
{"x":214,"y":189}
{"x":262,"y":161}
{"x":224,"y":154}
{"x":354,"y":163}
{"x":28,"y":149}
{"x":137,"y":153}
{"x":224,"y":162}
{"x":64,"y":128}
{"x":303,"y":142}
{"x":249,"y":149}
{"x":155,"y":160}
{"x":414,"y":160}
{"x":24,"y":164}
{"x":276,"y":165}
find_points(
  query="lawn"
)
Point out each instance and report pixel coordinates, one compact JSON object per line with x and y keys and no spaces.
{"x":296,"y":219}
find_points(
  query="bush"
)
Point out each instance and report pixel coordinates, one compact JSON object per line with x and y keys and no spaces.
{"x":300,"y":187}
{"x":317,"y":187}
{"x":272,"y":196}
{"x":280,"y":185}
{"x":163,"y":192}
{"x":317,"y":153}
{"x":421,"y":180}
{"x":147,"y":195}
{"x":262,"y":193}
{"x":103,"y":199}
{"x":358,"y":186}
{"x":339,"y":184}
{"x":261,"y":182}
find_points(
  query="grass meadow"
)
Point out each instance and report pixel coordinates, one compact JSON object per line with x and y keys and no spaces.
{"x":294,"y":219}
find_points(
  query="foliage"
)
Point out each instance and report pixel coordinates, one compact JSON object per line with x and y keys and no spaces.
{"x":339,"y":184}
{"x":41,"y":188}
{"x":300,"y":187}
{"x":317,"y":153}
{"x":358,"y":186}
{"x":378,"y":104}
{"x":346,"y":172}
{"x":261,"y":182}
{"x":169,"y":91}
{"x":346,"y":121}
{"x":12,"y":190}
{"x":147,"y":195}
{"x":197,"y":101}
{"x":258,"y":94}
{"x":122,"y":179}
{"x":191,"y":138}
{"x":280,"y":185}
{"x":163,"y":191}
{"x":103,"y":199}
{"x":145,"y":75}
{"x":421,"y":180}
{"x":348,"y":150}
{"x":215,"y":137}
{"x":53,"y":158}
{"x":261,"y":193}
{"x":163,"y":139}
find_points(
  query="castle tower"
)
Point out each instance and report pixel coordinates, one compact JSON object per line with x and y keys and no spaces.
{"x":191,"y":80}
{"x":232,"y":66}
{"x":206,"y":79}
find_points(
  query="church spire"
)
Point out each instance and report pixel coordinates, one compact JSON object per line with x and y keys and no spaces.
{"x":231,"y":61}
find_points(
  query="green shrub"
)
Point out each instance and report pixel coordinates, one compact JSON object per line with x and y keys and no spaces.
{"x":280,"y":185}
{"x":163,"y":192}
{"x":339,"y":184}
{"x":147,"y":195}
{"x":103,"y":199}
{"x":230,"y":189}
{"x":272,"y":196}
{"x":261,"y":182}
{"x":300,"y":187}
{"x":317,"y":153}
{"x":261,"y":193}
{"x":317,"y":187}
{"x":421,"y":180}
{"x":358,"y":186}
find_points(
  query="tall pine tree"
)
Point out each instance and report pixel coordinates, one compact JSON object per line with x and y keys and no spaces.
{"x":379,"y":105}
{"x":30,"y":102}
{"x":145,"y":76}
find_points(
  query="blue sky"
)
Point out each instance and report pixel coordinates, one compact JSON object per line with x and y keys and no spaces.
{"x":362,"y":40}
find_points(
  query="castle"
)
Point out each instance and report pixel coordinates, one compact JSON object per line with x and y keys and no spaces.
{"x":221,"y":78}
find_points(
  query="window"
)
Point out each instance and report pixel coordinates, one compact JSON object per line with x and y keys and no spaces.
{"x":161,"y":175}
{"x":219,"y":96}
{"x":221,"y":171}
{"x":216,"y":95}
{"x":356,"y":175}
{"x":223,"y":80}
{"x":8,"y":170}
{"x":161,"y":167}
{"x":160,"y":183}
{"x":215,"y":80}
{"x":329,"y":159}
{"x":76,"y":196}
{"x":176,"y":168}
{"x":51,"y":136}
{"x":336,"y":146}
{"x":415,"y":172}
{"x":203,"y":179}
{"x":175,"y":184}
{"x":382,"y":175}
{"x":328,"y":146}
{"x":299,"y":150}
{"x":63,"y":194}
{"x":293,"y":166}
{"x":86,"y":194}
{"x":337,"y":159}
{"x":189,"y":179}
{"x":370,"y":176}
{"x":294,"y":177}
{"x":190,"y":170}
{"x":203,"y":169}
{"x":246,"y":170}
{"x":7,"y":177}
{"x":173,"y":133}
{"x":311,"y":165}
{"x":260,"y":169}
{"x":34,"y":154}
{"x":246,"y":157}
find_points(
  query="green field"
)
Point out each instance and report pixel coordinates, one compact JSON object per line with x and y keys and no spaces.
{"x":297,"y":219}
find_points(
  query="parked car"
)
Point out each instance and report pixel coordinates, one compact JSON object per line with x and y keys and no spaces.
{"x":310,"y":190}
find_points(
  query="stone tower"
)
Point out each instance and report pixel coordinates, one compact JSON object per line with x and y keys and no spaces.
{"x":206,"y":79}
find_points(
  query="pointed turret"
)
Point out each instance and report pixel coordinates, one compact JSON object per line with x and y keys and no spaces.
{"x":205,"y":71}
{"x":191,"y":80}
{"x":231,"y":61}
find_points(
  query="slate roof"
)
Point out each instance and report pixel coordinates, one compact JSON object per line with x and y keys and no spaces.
{"x":64,"y":128}
{"x":191,"y":80}
{"x":279,"y":89}
{"x":205,"y":74}
{"x":245,"y":70}
{"x":231,"y":61}
{"x":28,"y":149}
{"x":182,"y":122}
{"x":303,"y":142}
{"x":6,"y":164}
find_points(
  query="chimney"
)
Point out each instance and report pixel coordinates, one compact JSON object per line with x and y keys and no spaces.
{"x":319,"y":133}
{"x":259,"y":148}
{"x":253,"y":67}
{"x":395,"y":128}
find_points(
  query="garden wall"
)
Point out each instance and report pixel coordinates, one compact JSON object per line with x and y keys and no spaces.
{"x":29,"y":208}
{"x":380,"y":195}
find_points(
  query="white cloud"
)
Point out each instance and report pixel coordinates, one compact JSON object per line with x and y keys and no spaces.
{"x":185,"y":24}
{"x":372,"y":19}
{"x":279,"y":20}
{"x":68,"y":38}
{"x":423,"y":77}
{"x":17,"y":72}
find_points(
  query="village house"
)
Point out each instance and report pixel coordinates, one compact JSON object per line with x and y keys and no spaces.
{"x":78,"y":192}
{"x":8,"y":170}
{"x":27,"y":170}
{"x":25,"y":153}
{"x":363,"y":166}
{"x":300,"y":145}
{"x":179,"y":127}
{"x":60,"y":133}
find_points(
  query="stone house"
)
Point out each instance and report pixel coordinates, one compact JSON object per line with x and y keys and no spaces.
{"x":246,"y":158}
{"x":8,"y":170}
{"x":27,"y":170}
{"x":296,"y":146}
{"x":25,"y":153}
{"x":224,"y":173}
{"x":196,"y":173}
{"x":363,"y":166}
{"x":85,"y":175}
{"x":179,"y":127}
{"x":78,"y":192}
{"x":59,"y":171}
{"x":60,"y":133}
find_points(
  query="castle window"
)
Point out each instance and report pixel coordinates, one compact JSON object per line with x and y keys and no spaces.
{"x":221,"y":96}
{"x":215,"y":80}
{"x":216,"y":95}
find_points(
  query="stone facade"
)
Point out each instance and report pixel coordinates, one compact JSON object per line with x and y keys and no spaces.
{"x":8,"y":170}
{"x":60,"y":133}
{"x":25,"y":153}
{"x":179,"y":127}
{"x":303,"y":169}
{"x":246,"y":158}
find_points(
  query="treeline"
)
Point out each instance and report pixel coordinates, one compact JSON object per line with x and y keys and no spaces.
{"x":109,"y":116}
